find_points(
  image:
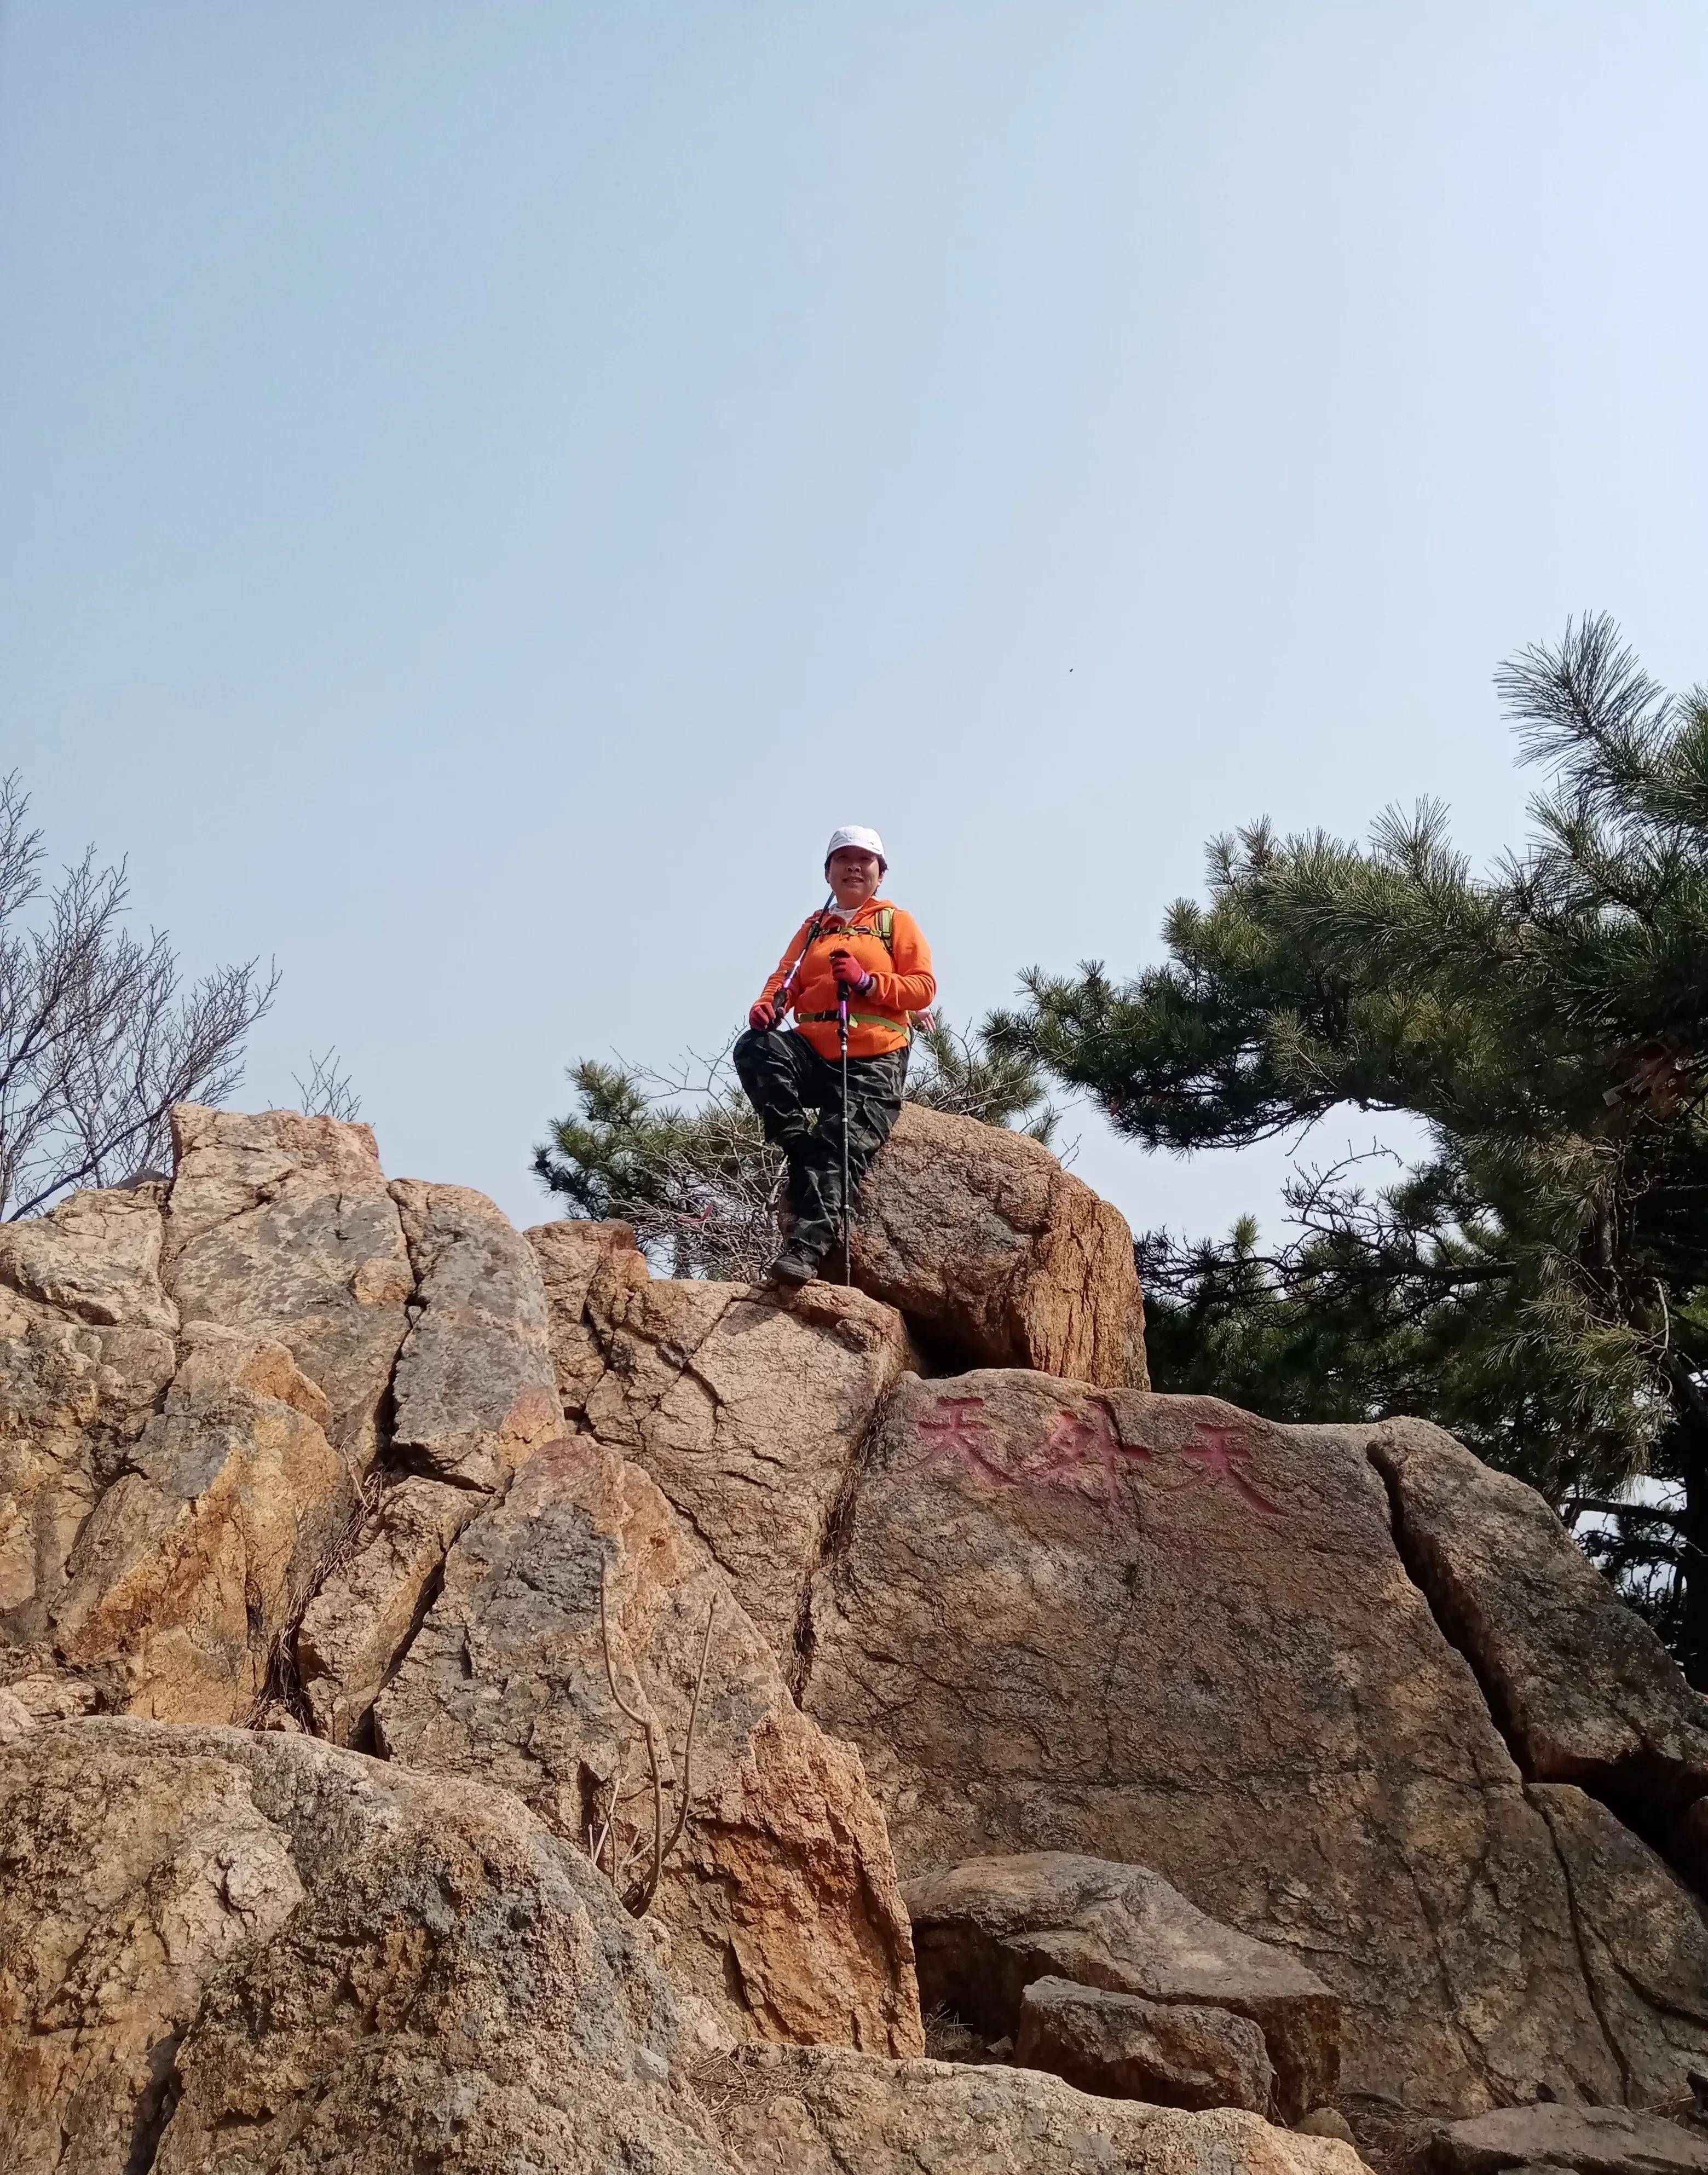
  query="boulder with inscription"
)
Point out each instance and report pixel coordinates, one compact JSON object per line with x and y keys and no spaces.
{"x":284,"y":1442}
{"x":1161,"y":1630}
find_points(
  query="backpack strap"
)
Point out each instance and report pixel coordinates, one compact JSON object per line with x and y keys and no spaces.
{"x":884,"y":928}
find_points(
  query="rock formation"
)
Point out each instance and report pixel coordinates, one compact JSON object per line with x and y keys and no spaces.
{"x":283,"y":1228}
{"x":222,"y":1950}
{"x":783,"y":1901}
{"x":997,"y":1255}
{"x":1123,"y":2047}
{"x":187,"y":1573}
{"x":297,"y":1463}
{"x":985,"y":1932}
{"x":1596,"y":2140}
{"x":1161,"y":1630}
{"x":825,"y":2111}
{"x":209,"y":1935}
{"x":86,"y":1348}
{"x":349,"y":1463}
{"x":749,"y":1413}
{"x":1578,"y":1684}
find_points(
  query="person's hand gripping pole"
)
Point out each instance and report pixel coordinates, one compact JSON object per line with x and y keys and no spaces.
{"x":772,"y":1011}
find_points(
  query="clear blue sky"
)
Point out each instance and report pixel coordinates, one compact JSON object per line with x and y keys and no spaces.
{"x":483,"y":489}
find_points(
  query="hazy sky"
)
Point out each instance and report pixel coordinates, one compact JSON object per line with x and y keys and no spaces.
{"x":484,"y":488}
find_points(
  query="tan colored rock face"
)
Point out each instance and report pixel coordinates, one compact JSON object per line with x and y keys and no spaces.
{"x":73,"y":1400}
{"x":475,"y":1393}
{"x":1582,"y":1687}
{"x":582,"y":1266}
{"x":222,"y":1949}
{"x":1055,"y":1617}
{"x":195,"y":1560}
{"x":366,"y":1608}
{"x":281,"y":1225}
{"x":95,"y":1258}
{"x":474,"y":1396}
{"x":988,"y":1247}
{"x":782,"y":1903}
{"x":1597,"y":2141}
{"x":163,"y":1556}
{"x":1172,"y":2054}
{"x":825,"y":2111}
{"x":136,"y":1868}
{"x":748,"y":1412}
{"x":1156,"y":1629}
{"x":1644,"y":1943}
{"x":85,"y":1350}
{"x":985,"y":1930}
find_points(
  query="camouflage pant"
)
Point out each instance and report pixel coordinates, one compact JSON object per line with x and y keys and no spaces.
{"x":786,"y":1079}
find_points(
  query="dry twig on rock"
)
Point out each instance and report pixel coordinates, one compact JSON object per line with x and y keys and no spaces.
{"x":637,"y":1901}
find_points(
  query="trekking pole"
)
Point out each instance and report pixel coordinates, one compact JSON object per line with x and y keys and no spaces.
{"x":841,"y":1036}
{"x":779,"y":1003}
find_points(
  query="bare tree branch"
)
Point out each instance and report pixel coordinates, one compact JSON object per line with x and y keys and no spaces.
{"x":327,"y":1092}
{"x":99,"y":1036}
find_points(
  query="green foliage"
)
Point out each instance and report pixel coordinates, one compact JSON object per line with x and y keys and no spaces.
{"x":1540,"y":1282}
{"x":966,"y":1074}
{"x":681,"y":1156}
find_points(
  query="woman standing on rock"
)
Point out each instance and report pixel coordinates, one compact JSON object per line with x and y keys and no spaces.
{"x":863,"y":946}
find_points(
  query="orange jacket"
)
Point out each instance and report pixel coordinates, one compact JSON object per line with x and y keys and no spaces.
{"x":878,"y":1016}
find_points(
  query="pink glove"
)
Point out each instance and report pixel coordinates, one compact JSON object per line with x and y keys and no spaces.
{"x":849,"y":974}
{"x":762,"y":1015}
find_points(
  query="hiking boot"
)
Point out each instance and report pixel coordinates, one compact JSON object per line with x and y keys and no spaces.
{"x":792,"y":1268}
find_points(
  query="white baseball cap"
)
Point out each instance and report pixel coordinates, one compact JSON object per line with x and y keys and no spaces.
{"x":854,"y":835}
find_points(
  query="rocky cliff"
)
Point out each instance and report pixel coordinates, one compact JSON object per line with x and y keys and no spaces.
{"x":462,"y":1696}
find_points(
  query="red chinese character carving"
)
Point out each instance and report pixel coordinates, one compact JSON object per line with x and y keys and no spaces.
{"x":1082,"y":1454}
{"x":964,"y":1433}
{"x":1073,"y":1437}
{"x":1215,"y":1451}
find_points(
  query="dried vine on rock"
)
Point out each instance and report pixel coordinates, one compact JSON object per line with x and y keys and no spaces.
{"x":636,"y":1900}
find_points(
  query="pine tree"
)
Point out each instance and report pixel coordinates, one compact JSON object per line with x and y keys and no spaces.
{"x":1539,"y":1280}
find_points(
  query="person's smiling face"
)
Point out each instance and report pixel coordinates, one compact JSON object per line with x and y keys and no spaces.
{"x":854,"y":877}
